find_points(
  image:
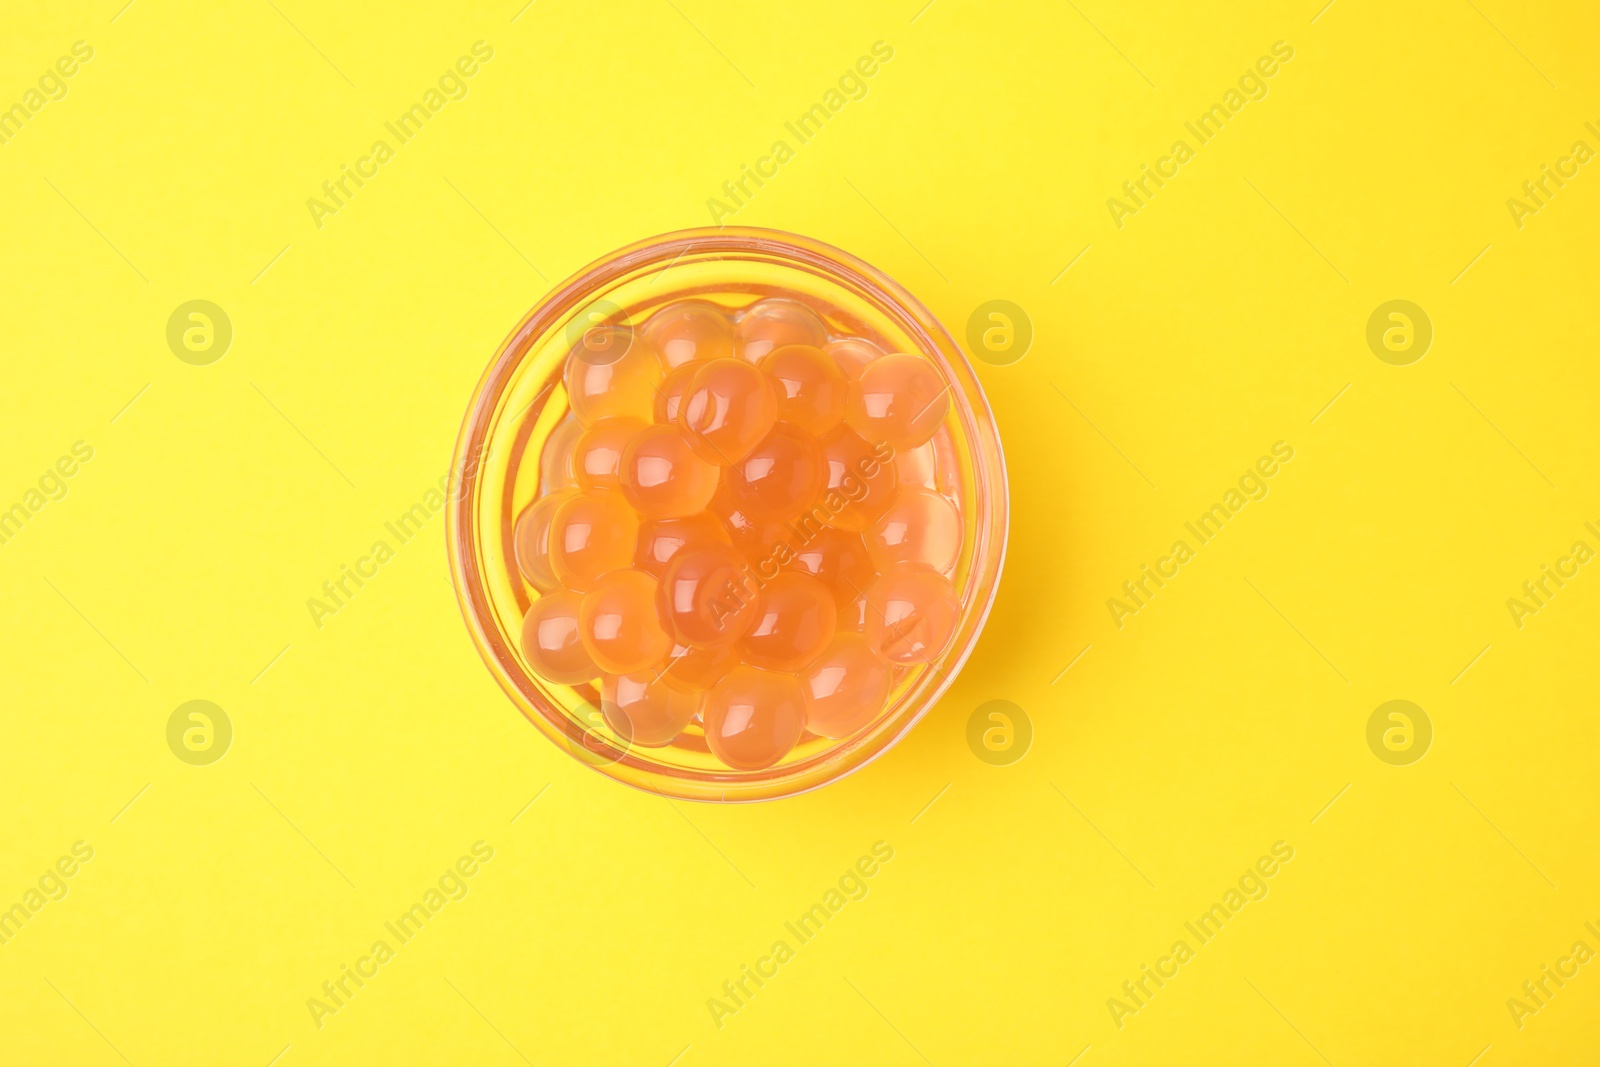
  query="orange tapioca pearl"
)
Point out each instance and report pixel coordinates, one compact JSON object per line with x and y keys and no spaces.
{"x":590,"y":534}
{"x":775,"y":322}
{"x":755,"y":538}
{"x":853,"y":616}
{"x":661,"y":539}
{"x":901,"y":399}
{"x":811,"y":388}
{"x":644,"y":710}
{"x":706,"y":599}
{"x":911,"y":614}
{"x":858,"y":482}
{"x":839,"y":560}
{"x":690,"y":330}
{"x":753,"y":718}
{"x":612,"y":372}
{"x":917,"y":466}
{"x":669,"y":394}
{"x":920,"y":527}
{"x":795,"y":620}
{"x":852,"y":355}
{"x":663,"y":478}
{"x":618,"y":623}
{"x":780,"y":477}
{"x":728,"y":408}
{"x":698,"y":669}
{"x":555,"y":459}
{"x":531,"y":540}
{"x":551,"y":640}
{"x":597,"y":457}
{"x":845,"y":687}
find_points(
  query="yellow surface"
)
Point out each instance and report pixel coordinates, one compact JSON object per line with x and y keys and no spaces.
{"x":1229,"y":713}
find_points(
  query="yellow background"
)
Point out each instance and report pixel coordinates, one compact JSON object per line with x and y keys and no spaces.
{"x":1223,"y":717}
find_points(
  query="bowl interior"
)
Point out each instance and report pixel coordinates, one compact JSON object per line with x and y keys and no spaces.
{"x":521,"y":400}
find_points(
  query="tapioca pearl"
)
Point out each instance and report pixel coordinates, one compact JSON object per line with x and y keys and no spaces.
{"x":612,"y":372}
{"x":531,"y":540}
{"x":551,"y":640}
{"x":780,"y":477}
{"x":853,"y":616}
{"x":707,"y":599}
{"x":852,"y":354}
{"x":663,"y":478}
{"x":920,"y":526}
{"x":901,"y":399}
{"x":753,"y":718}
{"x":795,"y":619}
{"x":845,"y":687}
{"x":756,"y":539}
{"x":618,"y":624}
{"x":911,"y":615}
{"x":858,"y":482}
{"x":644,"y":710}
{"x":669,"y":394}
{"x":728,"y":408}
{"x":597,"y":457}
{"x":775,"y":322}
{"x":592,"y":533}
{"x":661,"y":539}
{"x":917,"y":466}
{"x":839,"y":559}
{"x":690,"y":330}
{"x":555,"y":459}
{"x":698,"y":669}
{"x":811,"y":388}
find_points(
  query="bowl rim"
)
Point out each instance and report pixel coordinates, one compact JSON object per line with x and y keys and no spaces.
{"x":990,"y":494}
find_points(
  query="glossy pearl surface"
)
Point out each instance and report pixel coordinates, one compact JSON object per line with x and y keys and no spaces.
{"x":592,"y":533}
{"x":811,"y":388}
{"x":662,"y":477}
{"x":753,"y":718}
{"x":551,"y":641}
{"x":644,"y":710}
{"x":727,"y":409}
{"x":774,"y":323}
{"x":845,"y":687}
{"x":690,"y":330}
{"x":900,"y":399}
{"x":618,"y":624}
{"x":920,"y":526}
{"x":911,"y":615}
{"x":795,"y":619}
{"x":705,"y":599}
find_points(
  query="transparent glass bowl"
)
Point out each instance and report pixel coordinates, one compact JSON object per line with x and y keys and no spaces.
{"x":520,"y":400}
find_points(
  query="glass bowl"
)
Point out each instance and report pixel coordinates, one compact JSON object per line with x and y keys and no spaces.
{"x":521,"y":400}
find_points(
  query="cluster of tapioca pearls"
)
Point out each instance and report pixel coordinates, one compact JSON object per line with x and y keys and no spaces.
{"x":740,"y":521}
